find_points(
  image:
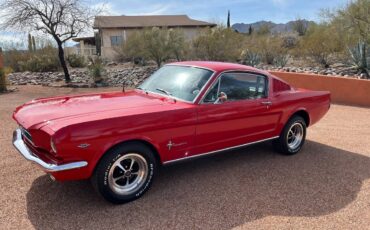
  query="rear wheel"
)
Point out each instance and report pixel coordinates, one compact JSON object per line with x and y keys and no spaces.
{"x":125,"y":173}
{"x":292,"y":137}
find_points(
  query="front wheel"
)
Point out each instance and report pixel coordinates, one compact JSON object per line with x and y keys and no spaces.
{"x":125,"y":173}
{"x":292,"y":137}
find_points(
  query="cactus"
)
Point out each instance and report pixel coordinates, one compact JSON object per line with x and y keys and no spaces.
{"x":360,"y":57}
{"x":281,"y":60}
{"x":251,"y":58}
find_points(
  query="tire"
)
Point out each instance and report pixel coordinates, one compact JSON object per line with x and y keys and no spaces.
{"x":125,"y":173}
{"x":288,"y":144}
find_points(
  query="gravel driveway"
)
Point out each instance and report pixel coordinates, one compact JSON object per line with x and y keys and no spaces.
{"x":326,"y":186}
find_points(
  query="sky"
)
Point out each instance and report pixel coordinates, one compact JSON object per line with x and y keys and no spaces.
{"x":247,"y":11}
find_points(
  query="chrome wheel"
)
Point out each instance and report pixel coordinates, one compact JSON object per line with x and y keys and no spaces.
{"x":128,"y":174}
{"x":295,"y":135}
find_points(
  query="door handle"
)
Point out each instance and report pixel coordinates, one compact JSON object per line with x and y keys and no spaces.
{"x":268,"y":103}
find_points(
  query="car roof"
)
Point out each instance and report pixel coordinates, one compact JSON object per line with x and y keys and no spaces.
{"x":218,"y":66}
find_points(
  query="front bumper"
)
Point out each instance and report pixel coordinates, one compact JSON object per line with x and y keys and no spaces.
{"x":26,"y":153}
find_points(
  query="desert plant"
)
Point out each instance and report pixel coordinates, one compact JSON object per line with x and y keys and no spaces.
{"x":177,"y":44}
{"x":321,"y":44}
{"x":44,"y":60}
{"x":2,"y":81}
{"x":360,"y":57}
{"x":289,"y":41}
{"x":132,"y":49}
{"x":218,"y":44}
{"x":251,"y":58}
{"x":96,"y":69}
{"x":156,"y":44}
{"x":300,"y":26}
{"x":281,"y":60}
{"x":76,"y":61}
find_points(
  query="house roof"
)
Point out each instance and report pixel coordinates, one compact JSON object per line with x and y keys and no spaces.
{"x":148,"y":21}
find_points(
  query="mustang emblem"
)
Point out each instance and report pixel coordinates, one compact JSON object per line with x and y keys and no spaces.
{"x":171,"y":144}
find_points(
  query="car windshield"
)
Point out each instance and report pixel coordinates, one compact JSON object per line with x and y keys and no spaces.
{"x":183,"y":82}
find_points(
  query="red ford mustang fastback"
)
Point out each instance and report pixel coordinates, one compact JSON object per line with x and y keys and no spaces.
{"x":184,"y":110}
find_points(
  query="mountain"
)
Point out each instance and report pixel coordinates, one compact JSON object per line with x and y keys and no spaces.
{"x":275,"y":27}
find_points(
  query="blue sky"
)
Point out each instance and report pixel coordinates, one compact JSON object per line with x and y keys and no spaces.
{"x":216,"y":10}
{"x":247,"y":11}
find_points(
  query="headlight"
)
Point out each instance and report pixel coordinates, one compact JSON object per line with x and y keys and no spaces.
{"x":53,"y":145}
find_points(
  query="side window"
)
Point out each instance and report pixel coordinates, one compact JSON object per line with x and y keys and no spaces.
{"x":116,"y":40}
{"x":238,"y":86}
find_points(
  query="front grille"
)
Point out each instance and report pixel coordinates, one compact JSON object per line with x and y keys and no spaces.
{"x":26,"y":134}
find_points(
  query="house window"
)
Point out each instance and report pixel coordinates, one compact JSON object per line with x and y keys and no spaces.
{"x":116,"y":40}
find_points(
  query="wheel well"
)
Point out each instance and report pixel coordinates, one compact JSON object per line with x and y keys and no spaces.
{"x":304,"y":115}
{"x":148,"y":144}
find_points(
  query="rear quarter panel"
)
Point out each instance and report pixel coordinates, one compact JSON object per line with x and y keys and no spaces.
{"x":315,"y":103}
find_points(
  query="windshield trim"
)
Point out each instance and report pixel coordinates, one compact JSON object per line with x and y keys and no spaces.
{"x":179,"y":99}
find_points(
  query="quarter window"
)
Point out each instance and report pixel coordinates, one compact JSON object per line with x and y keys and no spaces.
{"x":238,"y":86}
{"x":116,"y":40}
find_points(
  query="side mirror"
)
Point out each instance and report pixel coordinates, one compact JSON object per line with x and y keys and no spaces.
{"x":222,"y":97}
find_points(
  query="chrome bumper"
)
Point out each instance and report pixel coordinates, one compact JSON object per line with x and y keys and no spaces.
{"x":26,"y":153}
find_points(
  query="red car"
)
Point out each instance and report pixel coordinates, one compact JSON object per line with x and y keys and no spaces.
{"x":184,"y":110}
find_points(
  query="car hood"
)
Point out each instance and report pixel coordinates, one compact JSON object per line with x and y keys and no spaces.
{"x":39,"y":112}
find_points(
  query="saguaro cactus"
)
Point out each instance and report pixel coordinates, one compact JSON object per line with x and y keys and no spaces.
{"x":2,"y":74}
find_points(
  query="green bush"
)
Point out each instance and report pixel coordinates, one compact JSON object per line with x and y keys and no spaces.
{"x":43,"y":60}
{"x":96,"y":69}
{"x":218,"y":44}
{"x":76,"y":61}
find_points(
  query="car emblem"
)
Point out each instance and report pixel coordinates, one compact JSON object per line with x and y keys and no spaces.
{"x":83,"y":146}
{"x":172,"y":144}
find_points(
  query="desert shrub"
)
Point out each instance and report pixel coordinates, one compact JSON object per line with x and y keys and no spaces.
{"x":267,"y":46}
{"x":76,"y":61}
{"x":300,"y":26}
{"x":265,"y":29}
{"x":321,"y":44}
{"x":251,"y":58}
{"x":281,"y":60}
{"x":153,"y":44}
{"x":218,"y":44}
{"x":13,"y":58}
{"x":289,"y":41}
{"x":96,"y":69}
{"x":43,"y":60}
{"x":156,"y":45}
{"x":132,"y":50}
{"x":176,"y":44}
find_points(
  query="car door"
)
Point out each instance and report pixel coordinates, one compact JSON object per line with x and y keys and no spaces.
{"x":244,"y":117}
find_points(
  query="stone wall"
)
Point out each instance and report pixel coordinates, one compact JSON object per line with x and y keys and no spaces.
{"x":128,"y":77}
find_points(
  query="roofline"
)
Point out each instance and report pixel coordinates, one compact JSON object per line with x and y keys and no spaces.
{"x":142,"y":27}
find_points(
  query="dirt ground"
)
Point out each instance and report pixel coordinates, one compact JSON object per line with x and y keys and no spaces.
{"x":325,"y":186}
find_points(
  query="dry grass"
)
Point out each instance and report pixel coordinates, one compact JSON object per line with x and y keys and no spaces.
{"x":326,"y":186}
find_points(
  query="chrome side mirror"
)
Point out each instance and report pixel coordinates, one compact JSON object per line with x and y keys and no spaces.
{"x":222,"y":97}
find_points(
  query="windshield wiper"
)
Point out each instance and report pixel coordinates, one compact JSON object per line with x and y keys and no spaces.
{"x":164,"y":91}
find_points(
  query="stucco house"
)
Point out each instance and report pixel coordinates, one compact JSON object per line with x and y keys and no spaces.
{"x":113,"y":31}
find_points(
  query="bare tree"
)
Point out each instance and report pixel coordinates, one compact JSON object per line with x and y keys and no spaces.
{"x":62,"y":19}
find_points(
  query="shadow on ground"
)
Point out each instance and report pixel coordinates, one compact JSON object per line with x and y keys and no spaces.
{"x":217,"y":192}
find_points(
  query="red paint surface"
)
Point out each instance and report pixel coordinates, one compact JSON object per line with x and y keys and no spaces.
{"x":107,"y":119}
